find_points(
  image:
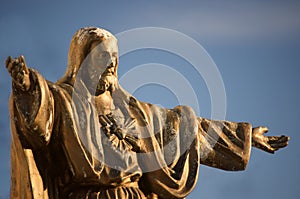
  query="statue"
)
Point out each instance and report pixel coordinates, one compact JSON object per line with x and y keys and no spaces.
{"x":86,"y":137}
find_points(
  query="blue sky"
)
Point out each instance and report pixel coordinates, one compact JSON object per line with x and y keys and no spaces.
{"x":255,"y":45}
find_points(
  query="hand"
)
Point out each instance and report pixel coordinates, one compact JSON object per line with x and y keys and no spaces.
{"x":268,"y":143}
{"x":18,"y":71}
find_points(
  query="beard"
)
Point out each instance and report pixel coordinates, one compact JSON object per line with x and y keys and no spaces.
{"x":98,"y":84}
{"x":106,"y":83}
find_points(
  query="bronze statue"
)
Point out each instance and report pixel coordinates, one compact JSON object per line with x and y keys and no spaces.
{"x":86,"y":137}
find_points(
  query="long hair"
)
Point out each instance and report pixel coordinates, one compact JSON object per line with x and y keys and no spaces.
{"x":80,"y":47}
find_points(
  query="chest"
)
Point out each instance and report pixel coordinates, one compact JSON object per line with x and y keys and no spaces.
{"x":103,"y":103}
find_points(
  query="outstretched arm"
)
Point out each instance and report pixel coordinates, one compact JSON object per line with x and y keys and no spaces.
{"x":227,"y":145}
{"x":32,"y":105}
{"x":223,"y":144}
{"x":268,"y":143}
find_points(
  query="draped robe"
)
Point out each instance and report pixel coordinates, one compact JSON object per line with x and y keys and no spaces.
{"x":59,"y":151}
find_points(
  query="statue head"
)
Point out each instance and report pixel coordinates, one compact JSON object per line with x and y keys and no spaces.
{"x":93,"y":55}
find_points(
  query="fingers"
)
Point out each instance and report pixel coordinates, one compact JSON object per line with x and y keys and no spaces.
{"x":10,"y":63}
{"x":279,"y":145}
{"x":277,"y":142}
{"x":275,"y":139}
{"x":19,"y":72}
{"x":18,"y":64}
{"x":21,"y":60}
{"x":265,"y":147}
{"x":260,"y":130}
{"x":264,"y":129}
{"x":268,"y":143}
{"x":268,"y":148}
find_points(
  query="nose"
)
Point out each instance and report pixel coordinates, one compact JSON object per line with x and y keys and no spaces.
{"x":112,"y":63}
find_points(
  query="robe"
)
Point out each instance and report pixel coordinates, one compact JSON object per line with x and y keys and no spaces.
{"x":59,"y":149}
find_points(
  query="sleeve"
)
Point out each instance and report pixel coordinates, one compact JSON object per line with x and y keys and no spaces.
{"x":172,"y":166}
{"x":33,"y":112}
{"x":31,"y":115}
{"x":224,"y":145}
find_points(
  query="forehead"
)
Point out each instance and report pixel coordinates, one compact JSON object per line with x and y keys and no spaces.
{"x":108,"y":44}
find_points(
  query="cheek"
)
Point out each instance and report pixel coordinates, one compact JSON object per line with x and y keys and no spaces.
{"x":98,"y":67}
{"x":104,"y":62}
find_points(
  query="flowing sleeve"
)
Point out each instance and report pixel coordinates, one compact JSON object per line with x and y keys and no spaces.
{"x":171,"y":161}
{"x":33,"y":112}
{"x":31,"y":115}
{"x":224,"y":145}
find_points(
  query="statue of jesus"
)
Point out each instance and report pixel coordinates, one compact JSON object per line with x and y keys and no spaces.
{"x":86,"y":137}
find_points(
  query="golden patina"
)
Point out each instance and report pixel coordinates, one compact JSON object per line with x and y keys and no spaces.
{"x":86,"y":137}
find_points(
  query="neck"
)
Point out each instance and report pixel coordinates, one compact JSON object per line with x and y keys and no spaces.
{"x":104,"y":102}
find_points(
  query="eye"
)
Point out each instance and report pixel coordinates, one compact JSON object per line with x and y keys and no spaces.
{"x":103,"y":55}
{"x":100,"y":55}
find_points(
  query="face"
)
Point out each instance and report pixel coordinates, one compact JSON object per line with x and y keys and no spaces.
{"x":103,"y":59}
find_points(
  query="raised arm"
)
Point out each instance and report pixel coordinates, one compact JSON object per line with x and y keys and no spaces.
{"x":32,"y":105}
{"x":19,"y":72}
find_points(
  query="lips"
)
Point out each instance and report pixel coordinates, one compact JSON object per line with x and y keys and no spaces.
{"x":108,"y":73}
{"x":110,"y":70}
